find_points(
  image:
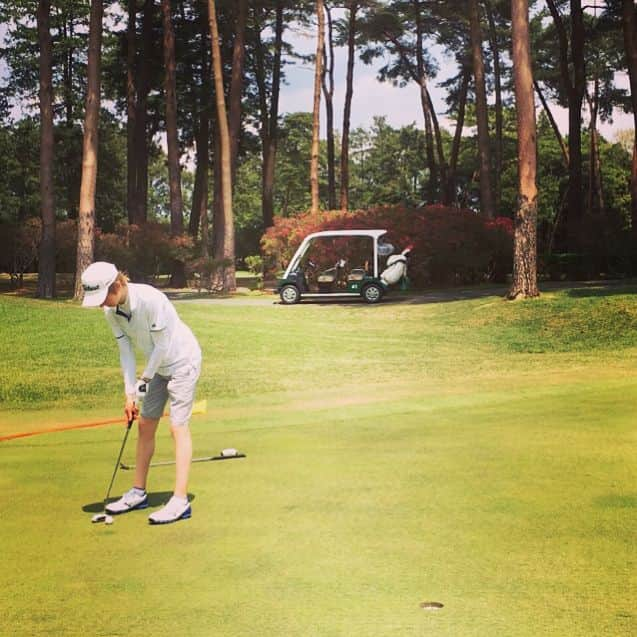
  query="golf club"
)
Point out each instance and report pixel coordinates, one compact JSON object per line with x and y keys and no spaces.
{"x":225,"y":454}
{"x":104,"y":517}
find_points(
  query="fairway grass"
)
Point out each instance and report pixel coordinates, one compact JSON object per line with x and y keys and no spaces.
{"x":472,"y":452}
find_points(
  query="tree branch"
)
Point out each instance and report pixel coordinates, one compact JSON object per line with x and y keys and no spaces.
{"x":563,"y":40}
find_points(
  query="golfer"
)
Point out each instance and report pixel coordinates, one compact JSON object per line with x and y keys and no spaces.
{"x":142,"y":317}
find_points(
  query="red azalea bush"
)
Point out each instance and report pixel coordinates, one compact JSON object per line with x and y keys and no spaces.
{"x":450,"y":245}
{"x":143,"y":251}
{"x":19,"y":248}
{"x":65,"y":245}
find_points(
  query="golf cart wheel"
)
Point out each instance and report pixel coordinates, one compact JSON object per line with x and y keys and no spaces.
{"x":290,"y":294}
{"x":372,"y":293}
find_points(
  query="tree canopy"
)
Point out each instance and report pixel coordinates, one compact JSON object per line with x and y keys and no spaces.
{"x":578,"y":52}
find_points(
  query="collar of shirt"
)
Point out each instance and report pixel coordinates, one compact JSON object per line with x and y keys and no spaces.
{"x":126,"y":308}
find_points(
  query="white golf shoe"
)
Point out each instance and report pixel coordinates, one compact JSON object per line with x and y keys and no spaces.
{"x":131,"y":500}
{"x":175,"y":509}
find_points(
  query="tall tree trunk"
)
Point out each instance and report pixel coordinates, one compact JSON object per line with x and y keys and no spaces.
{"x":199,"y":210}
{"x":595,"y":214}
{"x":234,"y":126}
{"x":457,"y":138}
{"x":347,"y":110}
{"x":554,"y":126}
{"x":328,"y":93}
{"x":316,"y":117}
{"x":437,"y":172}
{"x":559,"y":210}
{"x":432,"y":128}
{"x":269,"y":115}
{"x":273,"y":117}
{"x":203,"y":217}
{"x":236,"y":84}
{"x":595,"y":196}
{"x":574,"y":224}
{"x":218,"y":221}
{"x":484,"y":151}
{"x":497,"y":76}
{"x":229,"y":279}
{"x":574,"y":83}
{"x":442,"y":163}
{"x":429,"y":146}
{"x":178,"y":277}
{"x":425,"y":103}
{"x":141,"y":118}
{"x":68,"y":31}
{"x":131,"y":112}
{"x":86,"y":216}
{"x":524,"y":284}
{"x":46,"y":262}
{"x":201,"y":177}
{"x":629,"y":23}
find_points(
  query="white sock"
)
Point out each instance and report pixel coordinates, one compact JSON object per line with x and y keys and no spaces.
{"x":139,"y":491}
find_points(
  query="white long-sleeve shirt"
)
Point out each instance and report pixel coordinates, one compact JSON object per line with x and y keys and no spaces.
{"x":148,"y":321}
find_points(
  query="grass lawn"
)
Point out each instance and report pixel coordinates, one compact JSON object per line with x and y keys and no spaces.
{"x":473,"y":452}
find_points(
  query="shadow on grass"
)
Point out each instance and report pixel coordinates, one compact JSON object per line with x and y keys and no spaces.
{"x":155,"y":499}
{"x":616,"y":501}
{"x":407,"y":298}
{"x":574,"y":289}
{"x":596,"y":289}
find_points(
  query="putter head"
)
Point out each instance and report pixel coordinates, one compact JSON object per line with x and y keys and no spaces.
{"x":98,"y":517}
{"x":229,"y":453}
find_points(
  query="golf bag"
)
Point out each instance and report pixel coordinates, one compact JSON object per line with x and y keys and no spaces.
{"x":396,"y":268}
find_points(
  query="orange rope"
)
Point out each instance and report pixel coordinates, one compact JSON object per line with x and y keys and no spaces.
{"x":85,"y":425}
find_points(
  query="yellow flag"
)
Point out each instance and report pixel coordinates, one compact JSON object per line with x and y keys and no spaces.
{"x":200,"y":407}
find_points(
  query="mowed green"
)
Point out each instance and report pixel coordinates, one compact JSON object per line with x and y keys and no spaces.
{"x":467,"y":451}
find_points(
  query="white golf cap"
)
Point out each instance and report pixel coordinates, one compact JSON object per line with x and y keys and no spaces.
{"x":96,"y":280}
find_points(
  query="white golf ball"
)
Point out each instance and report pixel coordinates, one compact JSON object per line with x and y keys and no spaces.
{"x":108,"y":519}
{"x":226,"y":453}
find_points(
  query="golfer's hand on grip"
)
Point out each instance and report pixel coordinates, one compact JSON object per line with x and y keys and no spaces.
{"x":131,"y":410}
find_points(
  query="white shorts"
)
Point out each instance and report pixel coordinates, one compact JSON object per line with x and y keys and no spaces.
{"x":180,"y":388}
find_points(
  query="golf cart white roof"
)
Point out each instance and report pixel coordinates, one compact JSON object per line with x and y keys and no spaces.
{"x":298,"y":255}
{"x":346,"y":233}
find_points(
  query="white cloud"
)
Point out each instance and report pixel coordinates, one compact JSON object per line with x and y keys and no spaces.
{"x":370,"y":98}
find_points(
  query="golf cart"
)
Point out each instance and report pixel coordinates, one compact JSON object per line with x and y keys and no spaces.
{"x":351,"y":267}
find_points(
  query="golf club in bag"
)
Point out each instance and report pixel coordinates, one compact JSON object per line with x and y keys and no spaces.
{"x":104,"y":517}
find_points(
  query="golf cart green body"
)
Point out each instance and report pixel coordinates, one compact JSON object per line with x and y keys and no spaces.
{"x":350,"y":267}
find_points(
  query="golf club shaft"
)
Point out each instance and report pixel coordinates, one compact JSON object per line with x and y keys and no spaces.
{"x":119,"y":457}
{"x":166,"y":463}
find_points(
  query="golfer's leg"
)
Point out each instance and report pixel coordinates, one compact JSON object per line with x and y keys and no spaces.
{"x":145,"y":449}
{"x":183,"y":457}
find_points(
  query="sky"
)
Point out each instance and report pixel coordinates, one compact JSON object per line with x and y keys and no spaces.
{"x":401,"y":106}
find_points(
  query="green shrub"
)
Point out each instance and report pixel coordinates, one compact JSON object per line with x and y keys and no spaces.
{"x":254,"y":263}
